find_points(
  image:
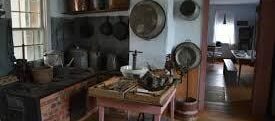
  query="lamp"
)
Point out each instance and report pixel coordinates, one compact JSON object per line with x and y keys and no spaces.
{"x":224,"y":19}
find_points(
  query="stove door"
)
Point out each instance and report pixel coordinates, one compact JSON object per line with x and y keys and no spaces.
{"x":78,"y":104}
{"x":16,"y":110}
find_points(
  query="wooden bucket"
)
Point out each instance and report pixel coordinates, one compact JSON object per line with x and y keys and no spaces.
{"x":42,"y":75}
{"x":188,"y":109}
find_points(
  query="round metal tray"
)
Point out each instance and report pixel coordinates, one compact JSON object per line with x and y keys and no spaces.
{"x":147,"y":19}
{"x":190,"y":10}
{"x":187,"y":55}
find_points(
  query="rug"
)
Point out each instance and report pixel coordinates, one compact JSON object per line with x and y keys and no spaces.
{"x":239,"y":93}
{"x":215,"y":94}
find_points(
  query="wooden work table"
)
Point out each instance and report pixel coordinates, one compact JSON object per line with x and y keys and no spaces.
{"x":129,"y":99}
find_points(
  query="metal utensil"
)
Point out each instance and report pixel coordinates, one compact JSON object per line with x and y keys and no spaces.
{"x":135,"y":53}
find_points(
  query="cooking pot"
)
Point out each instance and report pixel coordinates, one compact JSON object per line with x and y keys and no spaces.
{"x":190,"y":10}
{"x":80,"y":57}
{"x":118,"y":4}
{"x":54,"y":58}
{"x":100,"y":4}
{"x":147,"y":19}
{"x":78,"y":5}
{"x":94,"y":60}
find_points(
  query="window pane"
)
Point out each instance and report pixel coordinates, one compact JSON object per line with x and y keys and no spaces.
{"x":39,"y":50}
{"x":15,"y":20}
{"x":18,"y":52}
{"x":14,"y":5}
{"x":24,"y":5}
{"x":29,"y":20}
{"x":37,"y":37}
{"x":35,"y":6}
{"x":35,"y":20}
{"x":30,"y":6}
{"x":28,"y":37}
{"x":25,"y":20}
{"x":17,"y":38}
{"x":29,"y":53}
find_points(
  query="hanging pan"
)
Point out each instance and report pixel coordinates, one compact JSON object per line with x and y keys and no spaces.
{"x":106,"y":28}
{"x":147,"y":19}
{"x":121,"y":29}
{"x":186,"y":56}
{"x":190,"y":10}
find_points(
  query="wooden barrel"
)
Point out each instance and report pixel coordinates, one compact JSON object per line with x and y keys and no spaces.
{"x":42,"y":75}
{"x":188,"y":109}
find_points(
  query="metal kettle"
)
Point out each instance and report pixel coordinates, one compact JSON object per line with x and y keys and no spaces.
{"x":94,"y":60}
{"x":80,"y":57}
{"x":112,"y":62}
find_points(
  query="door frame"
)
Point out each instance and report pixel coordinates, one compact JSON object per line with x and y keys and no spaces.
{"x":264,"y":49}
{"x":204,"y":41}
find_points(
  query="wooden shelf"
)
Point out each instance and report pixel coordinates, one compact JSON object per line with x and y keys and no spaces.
{"x":94,"y":11}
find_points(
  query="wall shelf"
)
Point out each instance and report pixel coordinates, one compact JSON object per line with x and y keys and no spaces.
{"x":95,"y":11}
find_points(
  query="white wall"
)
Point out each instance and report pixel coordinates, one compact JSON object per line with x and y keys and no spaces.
{"x":154,"y":51}
{"x":176,"y":31}
{"x":187,"y":29}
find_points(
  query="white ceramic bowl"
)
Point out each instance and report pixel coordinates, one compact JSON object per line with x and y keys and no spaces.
{"x":129,"y":73}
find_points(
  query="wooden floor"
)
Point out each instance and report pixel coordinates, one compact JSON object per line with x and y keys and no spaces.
{"x":219,"y":108}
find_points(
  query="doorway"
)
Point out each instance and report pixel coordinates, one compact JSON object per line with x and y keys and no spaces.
{"x":231,"y":57}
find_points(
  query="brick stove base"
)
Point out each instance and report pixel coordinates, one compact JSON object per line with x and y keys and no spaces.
{"x":56,"y":107}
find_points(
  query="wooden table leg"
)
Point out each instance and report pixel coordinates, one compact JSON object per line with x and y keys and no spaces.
{"x":172,"y":108}
{"x":101,"y":113}
{"x":157,"y":117}
{"x":128,"y":115}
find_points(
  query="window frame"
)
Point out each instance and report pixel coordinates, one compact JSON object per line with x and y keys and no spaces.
{"x":40,"y":29}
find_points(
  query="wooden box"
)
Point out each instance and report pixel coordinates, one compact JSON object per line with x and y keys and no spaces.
{"x":115,"y":88}
{"x":154,"y":98}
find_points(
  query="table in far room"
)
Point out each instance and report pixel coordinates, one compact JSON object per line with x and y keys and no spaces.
{"x":243,"y":57}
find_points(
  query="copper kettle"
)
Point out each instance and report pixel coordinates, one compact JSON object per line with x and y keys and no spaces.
{"x":78,"y":5}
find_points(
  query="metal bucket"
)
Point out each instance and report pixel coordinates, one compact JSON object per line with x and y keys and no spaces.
{"x":80,"y":57}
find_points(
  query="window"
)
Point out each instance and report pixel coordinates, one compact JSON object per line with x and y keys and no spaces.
{"x":224,"y":27}
{"x":27,"y":29}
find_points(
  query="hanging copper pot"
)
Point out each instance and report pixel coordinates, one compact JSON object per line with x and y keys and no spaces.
{"x":78,"y":5}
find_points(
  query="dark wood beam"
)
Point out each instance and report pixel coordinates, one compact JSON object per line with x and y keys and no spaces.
{"x":264,"y":49}
{"x":204,"y":40}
